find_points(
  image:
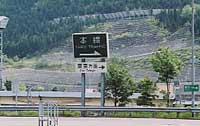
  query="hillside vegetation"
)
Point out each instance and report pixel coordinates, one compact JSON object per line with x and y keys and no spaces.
{"x":30,"y":30}
{"x":39,"y":31}
{"x":129,"y":38}
{"x":176,"y":19}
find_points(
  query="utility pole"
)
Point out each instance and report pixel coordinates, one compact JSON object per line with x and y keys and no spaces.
{"x":193,"y":57}
{"x":83,"y":83}
{"x":1,"y":60}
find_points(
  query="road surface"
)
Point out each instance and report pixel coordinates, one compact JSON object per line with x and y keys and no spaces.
{"x":32,"y":121}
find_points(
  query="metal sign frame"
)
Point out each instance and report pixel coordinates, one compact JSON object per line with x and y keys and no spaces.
{"x":92,"y":56}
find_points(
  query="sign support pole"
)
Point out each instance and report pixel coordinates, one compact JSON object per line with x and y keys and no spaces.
{"x":83,"y":91}
{"x":102,"y":89}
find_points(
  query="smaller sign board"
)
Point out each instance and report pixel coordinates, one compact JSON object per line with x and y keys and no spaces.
{"x":176,"y":83}
{"x":191,"y":88}
{"x":3,"y":22}
{"x":91,"y":67}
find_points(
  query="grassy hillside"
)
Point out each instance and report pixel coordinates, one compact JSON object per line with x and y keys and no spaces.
{"x":131,"y":39}
{"x":128,"y":38}
{"x":39,"y":32}
{"x":30,"y":30}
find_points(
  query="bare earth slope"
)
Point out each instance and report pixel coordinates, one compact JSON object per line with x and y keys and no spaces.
{"x":134,"y":39}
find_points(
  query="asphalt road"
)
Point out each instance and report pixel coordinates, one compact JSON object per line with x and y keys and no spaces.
{"x":29,"y":121}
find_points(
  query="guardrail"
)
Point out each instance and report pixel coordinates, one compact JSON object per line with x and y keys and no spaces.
{"x":18,"y":108}
{"x":105,"y":109}
{"x":132,"y":109}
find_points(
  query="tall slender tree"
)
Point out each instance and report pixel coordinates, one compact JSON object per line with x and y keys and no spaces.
{"x":168,"y":65}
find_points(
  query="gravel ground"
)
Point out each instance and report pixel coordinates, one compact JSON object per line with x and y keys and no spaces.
{"x":33,"y":121}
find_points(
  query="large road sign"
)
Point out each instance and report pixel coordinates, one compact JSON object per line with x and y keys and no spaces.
{"x":191,"y":88}
{"x":91,"y":45}
{"x":91,"y":67}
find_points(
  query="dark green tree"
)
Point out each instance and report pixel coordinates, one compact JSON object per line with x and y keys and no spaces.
{"x":147,"y":89}
{"x":119,"y":84}
{"x":55,"y":89}
{"x":8,"y":85}
{"x":174,"y":19}
{"x":168,"y":65}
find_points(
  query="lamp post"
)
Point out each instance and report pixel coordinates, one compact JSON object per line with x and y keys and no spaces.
{"x":3,"y":23}
{"x":193,"y":56}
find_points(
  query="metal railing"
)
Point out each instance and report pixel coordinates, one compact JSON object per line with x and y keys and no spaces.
{"x":50,"y":118}
{"x":105,"y":109}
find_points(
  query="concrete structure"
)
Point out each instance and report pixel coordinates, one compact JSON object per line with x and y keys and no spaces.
{"x":61,"y":98}
{"x":3,"y":23}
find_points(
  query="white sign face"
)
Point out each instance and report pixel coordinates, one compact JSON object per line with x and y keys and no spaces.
{"x":91,"y":67}
{"x":3,"y":22}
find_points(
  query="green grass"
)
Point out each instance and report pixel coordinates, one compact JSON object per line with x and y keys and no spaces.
{"x":19,"y":113}
{"x":35,"y":113}
{"x":70,"y":113}
{"x":99,"y":27}
{"x":153,"y":23}
{"x":37,"y":63}
{"x":165,"y":115}
{"x":168,"y":115}
{"x":185,"y":115}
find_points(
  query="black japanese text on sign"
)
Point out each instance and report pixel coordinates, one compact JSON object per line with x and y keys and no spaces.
{"x":91,"y":45}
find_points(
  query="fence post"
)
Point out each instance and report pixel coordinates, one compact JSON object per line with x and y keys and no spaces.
{"x":153,"y":114}
{"x":177,"y":114}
